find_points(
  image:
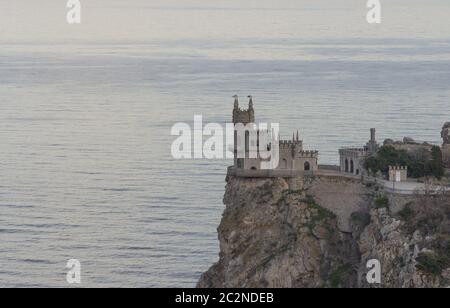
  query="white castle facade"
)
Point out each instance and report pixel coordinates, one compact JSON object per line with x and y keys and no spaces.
{"x":293,"y":159}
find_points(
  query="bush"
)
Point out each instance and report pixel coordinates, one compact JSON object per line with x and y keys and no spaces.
{"x":406,"y":213}
{"x":340,"y":275}
{"x":432,"y":263}
{"x":382,"y":202}
{"x":320,"y":212}
{"x":361,"y":218}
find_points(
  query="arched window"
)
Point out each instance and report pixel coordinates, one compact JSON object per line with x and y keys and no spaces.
{"x":307,"y":166}
{"x":352,"y":166}
{"x":284,"y":164}
{"x":254,"y":168}
{"x":346,"y":165}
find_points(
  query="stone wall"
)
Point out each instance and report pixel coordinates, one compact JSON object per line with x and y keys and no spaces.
{"x":342,"y":196}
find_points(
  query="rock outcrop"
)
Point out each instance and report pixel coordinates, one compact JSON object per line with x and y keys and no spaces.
{"x":271,"y":236}
{"x":445,"y":134}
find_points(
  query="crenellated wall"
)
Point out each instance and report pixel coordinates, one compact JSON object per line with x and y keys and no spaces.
{"x":292,"y":158}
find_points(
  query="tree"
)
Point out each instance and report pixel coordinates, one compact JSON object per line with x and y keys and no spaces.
{"x":371,"y":164}
{"x":436,"y":164}
{"x":418,"y":166}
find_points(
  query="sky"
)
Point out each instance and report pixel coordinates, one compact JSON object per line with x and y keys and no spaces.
{"x":44,"y":21}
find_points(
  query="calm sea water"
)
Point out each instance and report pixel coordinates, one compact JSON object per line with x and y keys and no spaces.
{"x":86,"y":113}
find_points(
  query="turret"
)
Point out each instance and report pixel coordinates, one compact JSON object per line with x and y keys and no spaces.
{"x":373,"y":132}
{"x":241,"y":115}
{"x":372,"y":145}
{"x":250,"y":103}
{"x":251,"y":111}
{"x":236,"y":102}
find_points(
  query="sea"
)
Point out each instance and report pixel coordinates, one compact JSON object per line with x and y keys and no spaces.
{"x":86,"y":112}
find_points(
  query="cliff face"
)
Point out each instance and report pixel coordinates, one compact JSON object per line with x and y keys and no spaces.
{"x":271,"y":236}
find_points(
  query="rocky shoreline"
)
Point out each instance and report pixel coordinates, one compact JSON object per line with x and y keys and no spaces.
{"x":323,"y":234}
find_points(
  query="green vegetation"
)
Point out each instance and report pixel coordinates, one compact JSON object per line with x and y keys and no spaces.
{"x":406,"y":213}
{"x":433,"y":263}
{"x":294,"y":192}
{"x":318,"y":215}
{"x":438,"y":260}
{"x":417,"y":167}
{"x":340,"y":275}
{"x":436,"y":165}
{"x":320,"y":212}
{"x":360,"y":220}
{"x":382,"y":202}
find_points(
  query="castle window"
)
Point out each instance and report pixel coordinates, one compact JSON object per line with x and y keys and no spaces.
{"x":247,"y":141}
{"x":352,"y":166}
{"x":254,"y":168}
{"x":346,"y":165}
{"x":307,"y":166}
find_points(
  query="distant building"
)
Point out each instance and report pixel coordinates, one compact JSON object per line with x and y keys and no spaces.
{"x":293,"y":159}
{"x":398,"y":174}
{"x":352,"y":159}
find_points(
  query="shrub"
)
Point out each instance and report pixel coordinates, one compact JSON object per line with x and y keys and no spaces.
{"x":432,"y":263}
{"x":340,"y":275}
{"x":320,"y":212}
{"x":406,"y":213}
{"x":382,"y":202}
{"x":360,"y":219}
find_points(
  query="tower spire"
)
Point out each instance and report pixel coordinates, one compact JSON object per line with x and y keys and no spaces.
{"x":297,"y":136}
{"x":250,"y":102}
{"x":236,"y":102}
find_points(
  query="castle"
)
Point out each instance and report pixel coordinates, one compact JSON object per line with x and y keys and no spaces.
{"x":295,"y":162}
{"x":351,"y":159}
{"x":293,"y":159}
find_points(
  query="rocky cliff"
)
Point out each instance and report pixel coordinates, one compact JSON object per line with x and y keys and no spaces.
{"x":323,"y":235}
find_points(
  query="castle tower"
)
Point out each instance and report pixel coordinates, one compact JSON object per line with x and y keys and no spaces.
{"x":251,"y":111}
{"x":236,"y":102}
{"x":241,"y":115}
{"x":372,"y":146}
{"x":244,"y":117}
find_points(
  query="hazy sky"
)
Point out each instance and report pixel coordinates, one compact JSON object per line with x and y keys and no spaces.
{"x":44,"y":21}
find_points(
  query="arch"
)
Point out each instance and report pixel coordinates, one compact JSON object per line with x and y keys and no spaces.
{"x":346,"y":165}
{"x":307,"y":166}
{"x":352,"y":166}
{"x":284,"y":163}
{"x":357,"y":171}
{"x":254,"y":168}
